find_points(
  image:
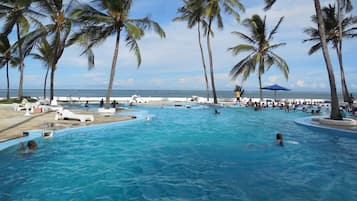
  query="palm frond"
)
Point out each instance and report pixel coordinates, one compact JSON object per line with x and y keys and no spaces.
{"x":274,"y":46}
{"x":133,"y":45}
{"x":244,"y":37}
{"x":241,"y":48}
{"x":269,"y":4}
{"x":280,"y":63}
{"x":244,"y":67}
{"x":275,"y":29}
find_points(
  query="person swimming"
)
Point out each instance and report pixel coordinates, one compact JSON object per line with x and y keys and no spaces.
{"x":217,"y":112}
{"x":47,"y":134}
{"x":279,"y":139}
{"x":30,"y":147}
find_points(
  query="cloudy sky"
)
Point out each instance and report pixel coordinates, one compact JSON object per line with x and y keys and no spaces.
{"x":174,"y":62}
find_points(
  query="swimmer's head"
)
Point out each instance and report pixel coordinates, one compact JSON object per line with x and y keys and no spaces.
{"x":31,"y":145}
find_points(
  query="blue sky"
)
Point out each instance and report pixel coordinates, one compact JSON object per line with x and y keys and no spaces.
{"x":174,"y":62}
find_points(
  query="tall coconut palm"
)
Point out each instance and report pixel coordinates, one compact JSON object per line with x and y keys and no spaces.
{"x":335,"y":112}
{"x":44,"y":54}
{"x":213,"y":11}
{"x":347,"y":6}
{"x":16,"y":13}
{"x":193,"y":13}
{"x":6,"y":58}
{"x":107,"y":18}
{"x":332,"y":29}
{"x":260,"y":50}
{"x":58,"y":30}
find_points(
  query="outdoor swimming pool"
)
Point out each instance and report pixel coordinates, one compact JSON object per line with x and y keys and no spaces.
{"x":186,"y":154}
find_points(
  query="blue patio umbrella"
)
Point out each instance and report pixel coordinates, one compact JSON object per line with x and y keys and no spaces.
{"x":275,"y":88}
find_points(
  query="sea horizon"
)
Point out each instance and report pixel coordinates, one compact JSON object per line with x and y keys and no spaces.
{"x":173,"y":93}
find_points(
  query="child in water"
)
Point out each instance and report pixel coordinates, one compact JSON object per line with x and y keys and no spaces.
{"x":31,"y":146}
{"x":279,"y":139}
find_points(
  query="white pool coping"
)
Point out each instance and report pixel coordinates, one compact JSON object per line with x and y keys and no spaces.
{"x":307,"y":122}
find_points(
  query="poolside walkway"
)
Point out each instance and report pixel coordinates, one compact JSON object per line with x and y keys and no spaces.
{"x":14,"y":123}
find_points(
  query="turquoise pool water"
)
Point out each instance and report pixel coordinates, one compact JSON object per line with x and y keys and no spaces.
{"x":186,"y":154}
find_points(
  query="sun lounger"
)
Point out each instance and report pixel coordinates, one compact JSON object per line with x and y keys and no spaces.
{"x":66,"y":114}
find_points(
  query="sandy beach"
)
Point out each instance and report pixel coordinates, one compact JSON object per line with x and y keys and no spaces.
{"x":14,"y":123}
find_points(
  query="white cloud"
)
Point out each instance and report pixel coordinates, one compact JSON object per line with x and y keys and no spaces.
{"x":300,"y":83}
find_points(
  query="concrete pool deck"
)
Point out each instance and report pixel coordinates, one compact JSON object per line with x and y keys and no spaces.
{"x":14,"y":123}
{"x":310,"y":122}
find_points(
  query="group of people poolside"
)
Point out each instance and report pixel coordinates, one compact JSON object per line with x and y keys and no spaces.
{"x":308,"y":108}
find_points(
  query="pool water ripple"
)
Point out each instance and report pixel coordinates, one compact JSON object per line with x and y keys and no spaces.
{"x":186,"y":154}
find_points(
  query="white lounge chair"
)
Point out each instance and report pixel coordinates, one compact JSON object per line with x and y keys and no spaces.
{"x":66,"y":114}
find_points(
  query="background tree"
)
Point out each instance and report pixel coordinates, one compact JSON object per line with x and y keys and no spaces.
{"x":335,"y":112}
{"x":58,"y":30}
{"x":193,"y":13}
{"x":44,"y":54}
{"x":347,"y":6}
{"x":18,"y":13}
{"x":260,"y":51}
{"x":332,"y":29}
{"x":6,"y":58}
{"x":213,"y":11}
{"x":109,"y":18}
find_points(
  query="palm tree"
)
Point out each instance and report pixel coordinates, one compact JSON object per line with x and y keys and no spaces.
{"x":109,"y":18}
{"x":6,"y":57}
{"x":193,"y":13}
{"x":347,"y":5}
{"x":332,"y":29}
{"x":58,"y":30}
{"x":213,"y":9}
{"x":17,"y":13}
{"x":260,"y":51}
{"x":45,"y":55}
{"x":335,"y":112}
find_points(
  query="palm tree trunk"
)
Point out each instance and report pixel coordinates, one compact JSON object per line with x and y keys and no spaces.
{"x":345,"y":93}
{"x":211,"y":62}
{"x":112,"y":72}
{"x":346,"y":97}
{"x":52,"y":82}
{"x":203,"y":60}
{"x":335,"y":112}
{"x":45,"y":83}
{"x":21,"y":81}
{"x":8,"y":81}
{"x":260,"y":88}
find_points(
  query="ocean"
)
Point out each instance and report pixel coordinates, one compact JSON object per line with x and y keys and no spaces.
{"x":171,"y":93}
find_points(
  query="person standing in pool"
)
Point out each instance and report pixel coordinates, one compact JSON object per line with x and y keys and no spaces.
{"x":101,"y":103}
{"x":279,"y":139}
